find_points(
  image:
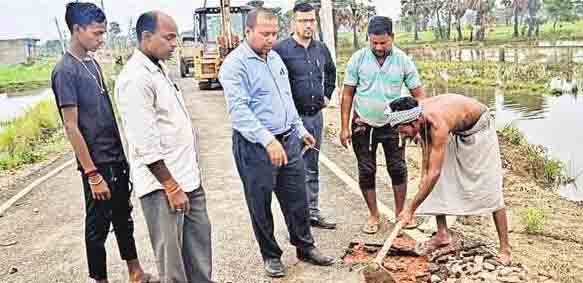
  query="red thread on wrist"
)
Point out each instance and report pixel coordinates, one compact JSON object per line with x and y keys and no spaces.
{"x":91,"y":173}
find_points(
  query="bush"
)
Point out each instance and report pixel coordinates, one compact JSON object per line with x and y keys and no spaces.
{"x":533,"y":219}
{"x":513,"y":135}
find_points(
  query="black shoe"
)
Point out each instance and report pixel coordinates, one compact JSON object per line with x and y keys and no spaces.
{"x":321,"y":222}
{"x":315,"y":257}
{"x":274,"y":267}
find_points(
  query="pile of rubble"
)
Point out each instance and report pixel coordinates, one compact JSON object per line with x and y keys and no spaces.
{"x":465,"y":261}
{"x":472,"y":266}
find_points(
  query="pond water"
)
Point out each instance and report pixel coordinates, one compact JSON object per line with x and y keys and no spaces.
{"x":12,"y":105}
{"x":542,"y":52}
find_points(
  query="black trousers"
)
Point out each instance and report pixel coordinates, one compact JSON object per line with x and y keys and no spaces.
{"x":365,"y":141}
{"x":261,"y":179}
{"x":100,"y":214}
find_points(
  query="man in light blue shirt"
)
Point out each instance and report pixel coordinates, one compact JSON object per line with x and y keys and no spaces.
{"x":374,"y":77}
{"x":267,"y":141}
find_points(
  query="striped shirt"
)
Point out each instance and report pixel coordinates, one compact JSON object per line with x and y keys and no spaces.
{"x":376,"y":86}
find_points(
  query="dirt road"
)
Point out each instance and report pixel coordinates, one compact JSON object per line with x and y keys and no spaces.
{"x":47,"y":225}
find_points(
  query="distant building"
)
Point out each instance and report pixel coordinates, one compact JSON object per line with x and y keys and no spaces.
{"x":18,"y":50}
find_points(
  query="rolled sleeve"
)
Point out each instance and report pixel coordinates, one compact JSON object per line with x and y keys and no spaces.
{"x":351,"y":73}
{"x":135,"y":100}
{"x":412,"y":79}
{"x":63,"y":84}
{"x":232,"y":78}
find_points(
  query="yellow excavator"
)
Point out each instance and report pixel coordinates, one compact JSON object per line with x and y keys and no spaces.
{"x":217,"y":31}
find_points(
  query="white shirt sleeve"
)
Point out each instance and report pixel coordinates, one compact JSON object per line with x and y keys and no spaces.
{"x":136,"y":104}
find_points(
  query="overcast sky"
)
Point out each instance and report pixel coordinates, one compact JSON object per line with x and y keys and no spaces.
{"x":36,"y":17}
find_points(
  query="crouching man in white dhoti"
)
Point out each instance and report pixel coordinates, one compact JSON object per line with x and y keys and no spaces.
{"x":462,"y":169}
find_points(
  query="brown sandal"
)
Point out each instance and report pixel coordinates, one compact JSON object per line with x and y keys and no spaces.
{"x":147,"y":278}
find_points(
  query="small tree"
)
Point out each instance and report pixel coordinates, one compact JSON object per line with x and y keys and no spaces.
{"x":355,"y":14}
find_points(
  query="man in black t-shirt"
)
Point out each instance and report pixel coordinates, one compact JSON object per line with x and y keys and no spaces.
{"x":90,"y":125}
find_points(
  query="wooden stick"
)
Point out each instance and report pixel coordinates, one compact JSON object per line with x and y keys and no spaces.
{"x":388,"y":243}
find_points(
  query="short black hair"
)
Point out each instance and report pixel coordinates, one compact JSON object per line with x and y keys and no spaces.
{"x":380,"y":25}
{"x":254,"y":14}
{"x":83,"y":14}
{"x":303,"y":7}
{"x":403,"y":103}
{"x":146,"y":22}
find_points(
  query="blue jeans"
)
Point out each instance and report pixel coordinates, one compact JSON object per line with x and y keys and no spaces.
{"x":314,"y":125}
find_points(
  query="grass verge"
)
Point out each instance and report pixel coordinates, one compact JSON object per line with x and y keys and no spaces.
{"x":31,"y":137}
{"x":18,"y":78}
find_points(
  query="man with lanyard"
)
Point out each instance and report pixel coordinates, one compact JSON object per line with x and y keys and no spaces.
{"x":162,"y":149}
{"x":90,"y":125}
{"x":312,"y":76}
{"x":268,"y":138}
{"x":374,"y":77}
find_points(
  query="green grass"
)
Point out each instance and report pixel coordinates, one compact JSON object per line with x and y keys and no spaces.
{"x":534,"y":219}
{"x":513,"y":135}
{"x":550,"y":169}
{"x":544,"y":167}
{"x":513,"y":78}
{"x":31,"y":137}
{"x":499,"y":34}
{"x":16,"y":78}
{"x":495,"y":35}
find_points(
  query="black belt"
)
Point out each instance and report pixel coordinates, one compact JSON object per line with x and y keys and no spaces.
{"x":308,"y":113}
{"x":283,"y":136}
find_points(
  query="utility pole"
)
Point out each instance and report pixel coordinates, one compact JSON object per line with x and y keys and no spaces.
{"x":327,"y":24}
{"x":129,"y":38}
{"x":60,"y":36}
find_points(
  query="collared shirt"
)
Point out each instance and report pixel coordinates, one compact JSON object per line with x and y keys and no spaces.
{"x":312,"y":73}
{"x":155,"y":125}
{"x":376,"y":86}
{"x":258,"y":95}
{"x":78,"y":84}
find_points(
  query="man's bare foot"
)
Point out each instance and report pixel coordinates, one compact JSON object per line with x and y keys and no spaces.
{"x":436,"y":242}
{"x":505,"y":257}
{"x":136,"y":276}
{"x":372,"y":225}
{"x":144,"y":278}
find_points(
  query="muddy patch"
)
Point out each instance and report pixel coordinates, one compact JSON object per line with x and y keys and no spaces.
{"x":402,"y":262}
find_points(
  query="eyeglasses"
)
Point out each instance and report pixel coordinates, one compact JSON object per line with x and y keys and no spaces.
{"x":306,"y":21}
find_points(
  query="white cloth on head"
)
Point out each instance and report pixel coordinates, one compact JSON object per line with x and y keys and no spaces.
{"x":471,"y":177}
{"x":396,"y":118}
